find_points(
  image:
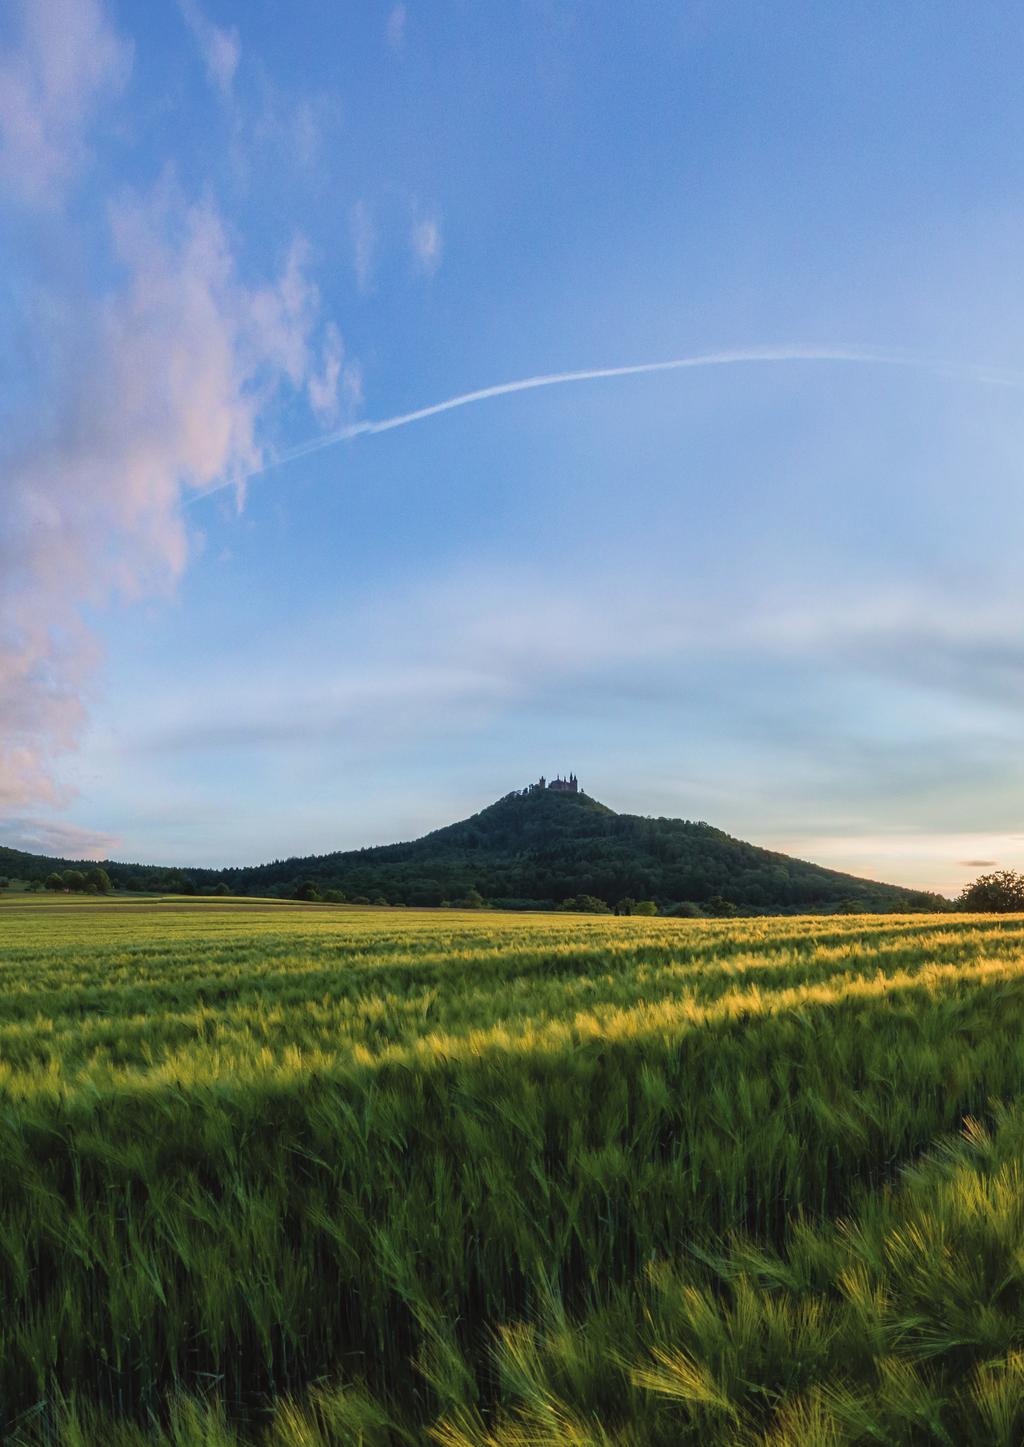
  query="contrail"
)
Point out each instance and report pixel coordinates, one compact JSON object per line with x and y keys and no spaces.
{"x":870,"y":356}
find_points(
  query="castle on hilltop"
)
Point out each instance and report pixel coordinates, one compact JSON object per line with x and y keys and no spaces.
{"x":571,"y":785}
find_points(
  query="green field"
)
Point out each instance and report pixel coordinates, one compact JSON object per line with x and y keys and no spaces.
{"x":312,"y":1175}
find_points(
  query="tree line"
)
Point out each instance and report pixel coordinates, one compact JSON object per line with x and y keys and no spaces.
{"x":542,"y":851}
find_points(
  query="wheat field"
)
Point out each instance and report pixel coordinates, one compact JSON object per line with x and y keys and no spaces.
{"x":288,"y":1174}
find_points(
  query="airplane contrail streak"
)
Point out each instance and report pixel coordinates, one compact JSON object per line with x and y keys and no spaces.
{"x":869,"y":356}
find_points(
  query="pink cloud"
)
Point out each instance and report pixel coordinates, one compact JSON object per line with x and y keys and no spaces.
{"x":158,"y":388}
{"x":68,"y":59}
{"x":67,"y":841}
{"x":140,"y":393}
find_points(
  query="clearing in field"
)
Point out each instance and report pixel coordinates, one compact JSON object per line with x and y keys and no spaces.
{"x":325,"y":1175}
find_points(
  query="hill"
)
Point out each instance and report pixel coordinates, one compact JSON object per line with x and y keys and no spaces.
{"x":536,"y":848}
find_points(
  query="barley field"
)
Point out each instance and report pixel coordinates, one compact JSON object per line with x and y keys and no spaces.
{"x":303,"y":1175}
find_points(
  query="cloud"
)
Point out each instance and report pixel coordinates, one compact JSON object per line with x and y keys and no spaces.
{"x":977,"y":863}
{"x":352,"y":383}
{"x":364,"y":244}
{"x":357,"y":702}
{"x":278,"y":128}
{"x":426,"y":244}
{"x":67,"y":841}
{"x":67,"y":60}
{"x":447,"y":658}
{"x":485,"y":650}
{"x":220,"y":49}
{"x":665,"y":698}
{"x":395,"y":30}
{"x":153,"y":389}
{"x":143,"y":391}
{"x":322,"y":386}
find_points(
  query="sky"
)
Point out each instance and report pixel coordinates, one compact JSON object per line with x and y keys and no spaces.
{"x":781,"y":593}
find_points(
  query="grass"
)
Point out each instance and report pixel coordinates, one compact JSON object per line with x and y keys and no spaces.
{"x":329,"y":1176}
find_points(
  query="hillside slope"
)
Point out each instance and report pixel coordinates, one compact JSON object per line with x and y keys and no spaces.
{"x":538,"y":847}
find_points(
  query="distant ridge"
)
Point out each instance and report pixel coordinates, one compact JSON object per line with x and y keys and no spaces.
{"x":536,"y":848}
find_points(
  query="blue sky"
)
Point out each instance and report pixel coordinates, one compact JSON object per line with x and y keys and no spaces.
{"x":782,"y":596}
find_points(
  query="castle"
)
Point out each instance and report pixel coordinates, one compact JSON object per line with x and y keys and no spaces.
{"x":571,"y":785}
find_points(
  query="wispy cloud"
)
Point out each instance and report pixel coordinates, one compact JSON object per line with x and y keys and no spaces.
{"x":395,"y":29}
{"x":449,"y":656}
{"x":68,"y":58}
{"x":220,"y":48}
{"x":277,"y":127}
{"x":479,"y":653}
{"x":365,"y":701}
{"x":322,"y":386}
{"x":425,"y":241}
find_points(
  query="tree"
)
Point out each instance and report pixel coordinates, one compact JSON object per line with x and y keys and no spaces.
{"x":586,"y":904}
{"x":220,"y":889}
{"x":99,"y":880}
{"x":307,"y":891}
{"x":74,"y":879}
{"x":54,"y":881}
{"x":921,"y":901}
{"x":626,"y":905}
{"x":333,"y":896}
{"x":999,"y":893}
{"x":645,"y":907}
{"x":685,"y":909}
{"x":720,"y":908}
{"x":5,"y":883}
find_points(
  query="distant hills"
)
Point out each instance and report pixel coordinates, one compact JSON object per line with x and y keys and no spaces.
{"x":536,"y":848}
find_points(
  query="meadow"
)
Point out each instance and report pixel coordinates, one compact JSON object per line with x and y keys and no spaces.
{"x":312,"y":1175}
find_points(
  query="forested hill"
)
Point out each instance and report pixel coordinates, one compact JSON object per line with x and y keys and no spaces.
{"x":535,"y":848}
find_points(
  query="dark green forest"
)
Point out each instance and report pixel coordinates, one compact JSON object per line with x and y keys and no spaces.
{"x":533,"y":849}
